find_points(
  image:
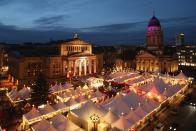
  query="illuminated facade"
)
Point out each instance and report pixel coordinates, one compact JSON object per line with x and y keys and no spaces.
{"x":150,"y":62}
{"x":153,"y":58}
{"x":187,"y":55}
{"x":73,"y":57}
{"x":154,"y":36}
{"x":78,"y":58}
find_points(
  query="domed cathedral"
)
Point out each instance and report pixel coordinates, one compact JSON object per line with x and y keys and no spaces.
{"x":77,"y":57}
{"x":154,"y":36}
{"x":153,"y":58}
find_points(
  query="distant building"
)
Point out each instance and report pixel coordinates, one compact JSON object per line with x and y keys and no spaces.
{"x":180,"y":39}
{"x":70,"y":58}
{"x":187,"y":55}
{"x":153,"y":58}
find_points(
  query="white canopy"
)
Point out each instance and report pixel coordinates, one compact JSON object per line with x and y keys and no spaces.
{"x":132,"y":116}
{"x":132,"y":99}
{"x":97,"y":94}
{"x":46,"y":109}
{"x":71,"y":102}
{"x":88,"y":109}
{"x":140,"y":112}
{"x":122,"y":123}
{"x":24,"y":93}
{"x":58,"y":120}
{"x":32,"y":114}
{"x":60,"y":106}
{"x":110,"y":117}
{"x":181,"y":76}
{"x":81,"y":98}
{"x":68,"y":126}
{"x":43,"y":125}
{"x":118,"y":105}
{"x":13,"y":94}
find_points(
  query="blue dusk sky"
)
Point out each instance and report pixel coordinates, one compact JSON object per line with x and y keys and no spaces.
{"x":97,"y":21}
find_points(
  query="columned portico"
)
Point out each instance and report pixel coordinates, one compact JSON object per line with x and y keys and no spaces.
{"x":78,"y":66}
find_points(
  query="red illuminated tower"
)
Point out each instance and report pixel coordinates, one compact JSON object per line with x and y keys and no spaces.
{"x":154,"y":36}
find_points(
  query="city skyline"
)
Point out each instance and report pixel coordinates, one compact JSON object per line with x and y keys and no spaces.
{"x":110,"y":22}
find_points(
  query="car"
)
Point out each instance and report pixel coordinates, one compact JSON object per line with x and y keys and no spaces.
{"x":159,"y":127}
{"x":173,"y":126}
{"x":193,"y":103}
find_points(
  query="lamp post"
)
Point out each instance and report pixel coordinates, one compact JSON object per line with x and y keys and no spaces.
{"x":94,"y":118}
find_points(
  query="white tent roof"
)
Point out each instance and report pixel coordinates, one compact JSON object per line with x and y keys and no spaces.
{"x":97,"y":94}
{"x":85,"y":87}
{"x":68,"y":126}
{"x":14,"y":94}
{"x":114,"y":105}
{"x":32,"y":114}
{"x":59,"y":106}
{"x":140,"y":112}
{"x":132,"y":116}
{"x":24,"y":93}
{"x":88,"y":109}
{"x":122,"y":123}
{"x":67,"y":85}
{"x":71,"y":102}
{"x":57,"y":120}
{"x":43,"y":125}
{"x":47,"y":109}
{"x":181,"y":76}
{"x":110,"y":117}
{"x":132,"y":99}
{"x":81,"y":99}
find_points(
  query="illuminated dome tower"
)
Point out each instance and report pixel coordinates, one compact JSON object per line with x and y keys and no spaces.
{"x":154,"y":36}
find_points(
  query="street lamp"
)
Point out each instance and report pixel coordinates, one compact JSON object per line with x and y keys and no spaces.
{"x":94,"y":118}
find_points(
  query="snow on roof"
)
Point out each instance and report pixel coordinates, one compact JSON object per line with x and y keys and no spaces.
{"x":32,"y":114}
{"x":122,"y":123}
{"x":88,"y":109}
{"x":43,"y":125}
{"x":110,"y":117}
{"x":47,"y":109}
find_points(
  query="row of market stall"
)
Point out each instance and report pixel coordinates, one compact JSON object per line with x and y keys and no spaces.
{"x":124,"y":111}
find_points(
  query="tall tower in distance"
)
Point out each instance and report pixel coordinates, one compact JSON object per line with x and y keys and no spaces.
{"x":154,"y":36}
{"x":180,"y":39}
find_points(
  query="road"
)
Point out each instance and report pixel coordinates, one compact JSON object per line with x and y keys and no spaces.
{"x":185,"y":117}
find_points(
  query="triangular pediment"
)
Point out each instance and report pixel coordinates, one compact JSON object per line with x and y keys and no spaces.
{"x":146,"y":54}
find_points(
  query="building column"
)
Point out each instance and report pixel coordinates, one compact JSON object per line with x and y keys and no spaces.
{"x":95,"y":66}
{"x":85,"y":67}
{"x":74,"y":72}
{"x":80,"y":67}
{"x":90,"y":66}
{"x":68,"y":69}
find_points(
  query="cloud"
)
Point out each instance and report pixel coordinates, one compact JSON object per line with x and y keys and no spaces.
{"x":115,"y":28}
{"x":123,"y":33}
{"x":52,"y":22}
